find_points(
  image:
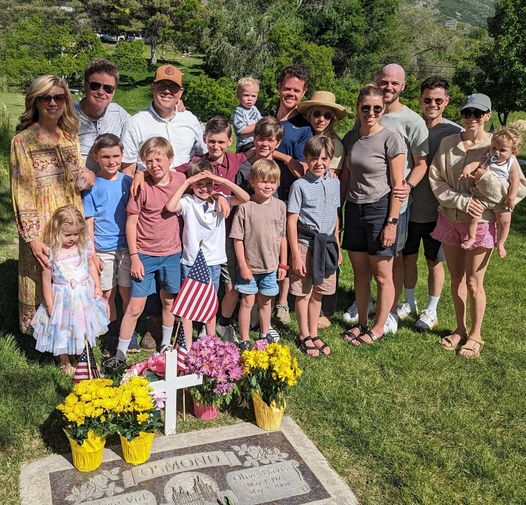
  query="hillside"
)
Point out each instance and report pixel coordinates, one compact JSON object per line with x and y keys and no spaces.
{"x":473,"y":12}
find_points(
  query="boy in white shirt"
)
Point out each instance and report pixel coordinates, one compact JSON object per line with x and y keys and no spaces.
{"x":204,"y":225}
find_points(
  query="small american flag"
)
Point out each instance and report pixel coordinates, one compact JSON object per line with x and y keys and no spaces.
{"x":182,"y":351}
{"x":85,"y":366}
{"x":197,"y":299}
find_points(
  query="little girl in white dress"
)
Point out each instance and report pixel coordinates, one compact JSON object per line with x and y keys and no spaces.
{"x":72,"y":310}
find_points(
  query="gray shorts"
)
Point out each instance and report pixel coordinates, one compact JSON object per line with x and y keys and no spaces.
{"x":402,"y":231}
{"x":116,"y":269}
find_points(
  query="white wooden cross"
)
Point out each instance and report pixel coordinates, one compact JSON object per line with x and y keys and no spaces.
{"x":169,"y":386}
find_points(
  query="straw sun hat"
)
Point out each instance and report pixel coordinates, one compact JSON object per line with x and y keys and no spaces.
{"x":323,"y":99}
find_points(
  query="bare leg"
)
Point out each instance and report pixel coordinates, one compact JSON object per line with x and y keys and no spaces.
{"x":410,"y":270}
{"x":398,"y":279}
{"x":228,"y":305}
{"x":125,"y":296}
{"x":109,"y":297}
{"x":382,"y":268}
{"x":211,"y":326}
{"x":456,"y":263}
{"x":362,"y":284}
{"x":503,"y":230}
{"x":313,"y":312}
{"x":472,"y":233}
{"x":284,"y":291}
{"x":264,"y":312}
{"x":302,"y":315}
{"x":435,"y":277}
{"x":245,"y":307}
{"x":129,"y":321}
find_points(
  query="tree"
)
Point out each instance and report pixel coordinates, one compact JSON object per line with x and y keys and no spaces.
{"x":501,"y":63}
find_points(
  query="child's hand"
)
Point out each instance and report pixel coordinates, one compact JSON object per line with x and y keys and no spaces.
{"x":298,"y":265}
{"x":137,"y":184}
{"x":98,"y":263}
{"x":205,"y":174}
{"x":98,"y":292}
{"x":245,"y":273}
{"x":137,"y":268}
{"x":282,"y":273}
{"x":222,"y":205}
{"x":49,"y":310}
{"x":509,"y":203}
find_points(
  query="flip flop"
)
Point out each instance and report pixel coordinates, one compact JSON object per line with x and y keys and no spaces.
{"x":305,"y":344}
{"x":322,"y":347}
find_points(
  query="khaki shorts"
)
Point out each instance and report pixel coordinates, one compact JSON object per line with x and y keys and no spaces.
{"x":116,"y":269}
{"x":302,"y":286}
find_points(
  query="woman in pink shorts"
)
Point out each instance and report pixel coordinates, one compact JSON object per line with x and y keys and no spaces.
{"x":467,"y":267}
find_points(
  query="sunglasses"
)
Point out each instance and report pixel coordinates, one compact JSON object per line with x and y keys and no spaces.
{"x":326,"y":115}
{"x":95,"y":86}
{"x":476,"y":113}
{"x":59,"y":99}
{"x":161,"y":86}
{"x":438,"y":101}
{"x":377,"y":109}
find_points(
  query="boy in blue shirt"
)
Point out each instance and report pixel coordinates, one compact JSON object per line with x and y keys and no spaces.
{"x":105,"y":213}
{"x":246,"y":114}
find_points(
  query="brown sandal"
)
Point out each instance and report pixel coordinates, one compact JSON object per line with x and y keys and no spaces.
{"x":450,"y":339}
{"x":473,"y":346}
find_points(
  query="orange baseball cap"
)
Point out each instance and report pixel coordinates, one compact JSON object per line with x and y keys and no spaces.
{"x":169,"y":73}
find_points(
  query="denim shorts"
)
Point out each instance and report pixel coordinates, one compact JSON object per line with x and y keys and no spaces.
{"x":168,"y":269}
{"x":215,"y":274}
{"x":264,"y":284}
{"x":363,"y":227}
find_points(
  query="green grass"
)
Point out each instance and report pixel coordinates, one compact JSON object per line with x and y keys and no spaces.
{"x":403,"y":421}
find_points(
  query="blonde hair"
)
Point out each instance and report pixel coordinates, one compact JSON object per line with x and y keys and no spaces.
{"x":154,"y":144}
{"x":247,"y":81}
{"x":265,"y":170}
{"x":68,"y":121}
{"x":68,"y":215}
{"x":512,"y":135}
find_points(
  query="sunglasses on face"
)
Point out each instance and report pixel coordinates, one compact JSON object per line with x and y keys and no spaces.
{"x":58,"y":99}
{"x":172,"y":88}
{"x":377,"y":109}
{"x":95,"y":86}
{"x":326,"y":115}
{"x":476,"y":113}
{"x":438,"y":101}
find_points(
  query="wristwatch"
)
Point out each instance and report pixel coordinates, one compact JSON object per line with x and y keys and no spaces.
{"x":392,"y":220}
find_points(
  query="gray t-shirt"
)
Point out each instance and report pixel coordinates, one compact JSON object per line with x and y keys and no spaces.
{"x":368,"y":163}
{"x":424,"y":204}
{"x":414,"y":131}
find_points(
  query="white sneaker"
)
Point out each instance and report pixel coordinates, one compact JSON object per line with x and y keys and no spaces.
{"x":403,"y":311}
{"x":351,"y":315}
{"x":391,"y":324}
{"x":427,"y":320}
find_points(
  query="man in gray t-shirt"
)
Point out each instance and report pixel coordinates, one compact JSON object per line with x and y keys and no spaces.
{"x":434,"y":98}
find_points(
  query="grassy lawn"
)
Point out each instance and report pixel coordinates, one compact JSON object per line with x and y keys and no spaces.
{"x":403,"y":422}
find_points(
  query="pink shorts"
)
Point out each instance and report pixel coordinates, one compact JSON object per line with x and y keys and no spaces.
{"x":454,"y":233}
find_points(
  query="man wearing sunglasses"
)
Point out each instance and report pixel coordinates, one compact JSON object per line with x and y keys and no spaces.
{"x":96,"y":111}
{"x":434,"y":97}
{"x":165,"y":117}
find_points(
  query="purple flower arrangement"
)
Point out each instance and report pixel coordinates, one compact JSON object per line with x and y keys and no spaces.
{"x":218,"y":363}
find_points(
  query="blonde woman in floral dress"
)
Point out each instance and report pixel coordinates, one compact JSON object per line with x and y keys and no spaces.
{"x":45,"y":165}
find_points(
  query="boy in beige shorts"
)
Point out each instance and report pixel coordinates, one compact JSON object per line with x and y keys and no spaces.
{"x":105,"y":213}
{"x":312,"y":227}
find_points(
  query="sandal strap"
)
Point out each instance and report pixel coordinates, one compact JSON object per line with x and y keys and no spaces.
{"x":375,"y":338}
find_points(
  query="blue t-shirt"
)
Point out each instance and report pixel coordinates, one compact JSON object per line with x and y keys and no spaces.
{"x":296,"y":135}
{"x":106,"y":202}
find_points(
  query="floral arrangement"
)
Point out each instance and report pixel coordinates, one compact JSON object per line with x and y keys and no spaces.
{"x":269,"y":371}
{"x":89,"y":407}
{"x":135,"y":409}
{"x":154,"y":365}
{"x":218,"y":363}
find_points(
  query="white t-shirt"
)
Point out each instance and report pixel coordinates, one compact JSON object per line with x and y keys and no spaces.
{"x":203,"y":225}
{"x":183,"y":130}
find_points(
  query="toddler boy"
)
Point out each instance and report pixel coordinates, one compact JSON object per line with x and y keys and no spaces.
{"x":105,"y":213}
{"x":246,"y":114}
{"x":312,"y":226}
{"x":204,"y":224}
{"x":260,"y":244}
{"x":154,"y":242}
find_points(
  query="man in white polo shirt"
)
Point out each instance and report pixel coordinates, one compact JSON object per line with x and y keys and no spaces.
{"x":162,"y":119}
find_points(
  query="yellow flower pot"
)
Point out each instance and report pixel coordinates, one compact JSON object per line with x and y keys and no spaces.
{"x":268,"y":417}
{"x":88,"y":456}
{"x":137,"y":450}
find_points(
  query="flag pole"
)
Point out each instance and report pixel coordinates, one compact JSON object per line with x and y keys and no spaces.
{"x":176,"y":372}
{"x":176,"y":333}
{"x":87,"y":355}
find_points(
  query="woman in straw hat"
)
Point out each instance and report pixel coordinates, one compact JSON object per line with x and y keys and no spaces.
{"x":322,"y":112}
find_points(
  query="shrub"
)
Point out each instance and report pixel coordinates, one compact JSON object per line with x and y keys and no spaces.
{"x":129,"y":57}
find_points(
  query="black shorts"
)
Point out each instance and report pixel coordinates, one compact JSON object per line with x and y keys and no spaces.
{"x":363,"y":226}
{"x":422,"y":232}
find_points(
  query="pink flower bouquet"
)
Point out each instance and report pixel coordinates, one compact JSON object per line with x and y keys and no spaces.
{"x":218,"y":363}
{"x":156,"y":364}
